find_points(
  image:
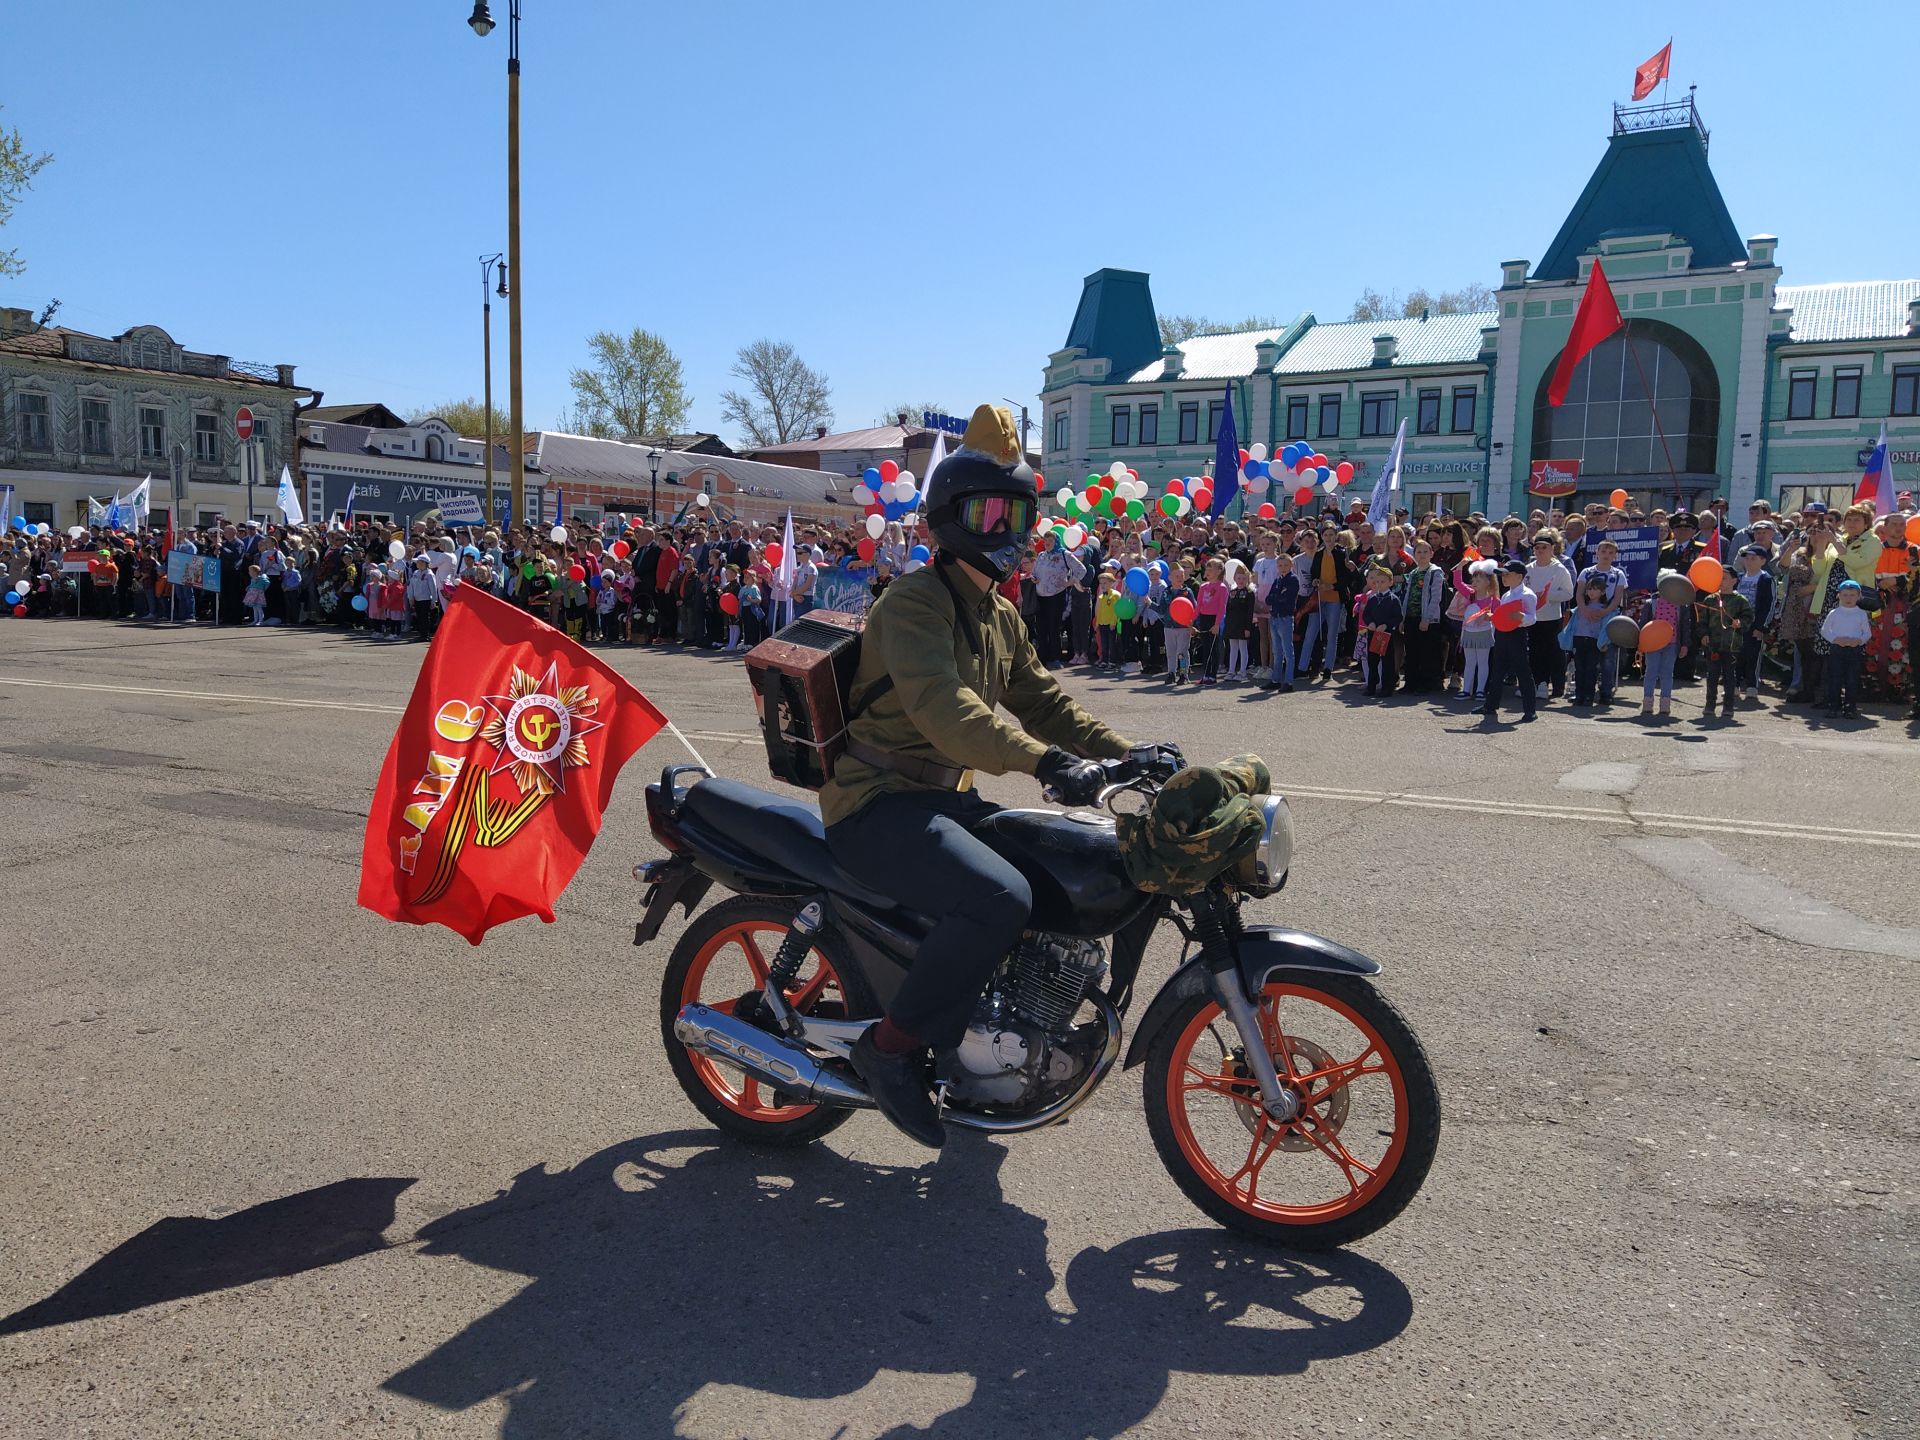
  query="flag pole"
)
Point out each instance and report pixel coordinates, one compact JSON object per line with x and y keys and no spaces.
{"x":1666,"y":78}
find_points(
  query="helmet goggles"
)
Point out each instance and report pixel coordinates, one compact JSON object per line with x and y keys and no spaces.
{"x":986,"y":515}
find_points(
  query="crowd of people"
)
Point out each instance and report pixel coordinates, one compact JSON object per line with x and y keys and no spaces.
{"x":1527,"y":608}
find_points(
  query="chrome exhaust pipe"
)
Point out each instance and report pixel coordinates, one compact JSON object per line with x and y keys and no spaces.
{"x":770,"y":1059}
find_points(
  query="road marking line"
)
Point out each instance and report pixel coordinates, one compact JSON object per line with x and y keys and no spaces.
{"x":205,"y":695}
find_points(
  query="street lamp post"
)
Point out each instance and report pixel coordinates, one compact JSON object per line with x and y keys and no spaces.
{"x":653,"y":506}
{"x":487,"y":263}
{"x":481,"y":22}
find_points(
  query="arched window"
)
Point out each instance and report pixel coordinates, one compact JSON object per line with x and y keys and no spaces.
{"x":1607,"y":422}
{"x":436,"y":448}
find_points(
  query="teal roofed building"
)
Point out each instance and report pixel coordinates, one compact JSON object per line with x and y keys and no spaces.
{"x":1723,"y":382}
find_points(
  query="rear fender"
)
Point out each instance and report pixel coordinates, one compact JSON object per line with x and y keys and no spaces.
{"x":1264,"y":951}
{"x":669,"y":883}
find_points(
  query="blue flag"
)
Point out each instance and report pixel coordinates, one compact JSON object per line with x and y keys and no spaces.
{"x":1226,"y":460}
{"x":1380,"y":510}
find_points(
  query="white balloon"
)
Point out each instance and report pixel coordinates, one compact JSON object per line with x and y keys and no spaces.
{"x":1257,"y":485}
{"x":74,"y":532}
{"x":1062,"y":495}
{"x":862,"y":495}
{"x":906,"y":479}
{"x":703,"y":501}
{"x":1118,"y":469}
{"x":911,"y":566}
{"x":876,"y":527}
{"x":1076,"y":536}
{"x":1186,"y":505}
{"x":397,"y":549}
{"x":43,"y":528}
{"x":1256,"y":452}
{"x":909,"y":497}
{"x":1332,"y":484}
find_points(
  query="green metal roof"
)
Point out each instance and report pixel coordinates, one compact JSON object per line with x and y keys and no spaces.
{"x":1851,"y":310}
{"x":1116,"y":321}
{"x":1348,"y":344}
{"x":1648,"y":182}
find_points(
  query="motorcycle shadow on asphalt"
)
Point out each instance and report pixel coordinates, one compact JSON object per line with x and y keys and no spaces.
{"x":677,"y":1262}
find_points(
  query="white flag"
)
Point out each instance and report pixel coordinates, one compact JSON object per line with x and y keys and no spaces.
{"x":933,"y":460}
{"x":289,"y":502}
{"x":786,"y":571}
{"x":1380,"y":511}
{"x":140,"y":501}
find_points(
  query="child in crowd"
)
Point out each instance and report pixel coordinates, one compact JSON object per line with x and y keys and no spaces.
{"x":1593,"y":607}
{"x":1237,"y":624}
{"x":1423,"y":592}
{"x":1847,"y":628}
{"x":256,"y":596}
{"x":1657,"y":664}
{"x":1212,"y":607}
{"x":1283,"y":602}
{"x":1177,"y":637}
{"x":1380,"y":619}
{"x":730,"y":585}
{"x":1476,"y":629}
{"x":753,"y":612}
{"x":1756,"y":586}
{"x":1106,"y":621}
{"x":373,"y":587}
{"x":1726,"y":619}
{"x":606,"y":601}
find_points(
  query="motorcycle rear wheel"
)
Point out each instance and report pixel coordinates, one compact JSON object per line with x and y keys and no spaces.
{"x":1356,"y":1153}
{"x":720,"y":961}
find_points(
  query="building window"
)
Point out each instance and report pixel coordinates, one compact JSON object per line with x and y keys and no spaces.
{"x":1122,"y":425}
{"x":1215,"y":409}
{"x":1189,"y":422}
{"x":1329,"y":417}
{"x":206,"y":439}
{"x":1378,"y":413}
{"x":1846,"y":393}
{"x":153,"y":432}
{"x":1429,"y":412}
{"x":1800,"y":394}
{"x":1906,"y":390}
{"x":1451,"y":502}
{"x":96,"y":427}
{"x":1463,"y":399}
{"x":1607,"y":422}
{"x":1060,"y":431}
{"x":1149,"y":424}
{"x":1296,"y":417}
{"x":36,"y":431}
{"x":37,"y":512}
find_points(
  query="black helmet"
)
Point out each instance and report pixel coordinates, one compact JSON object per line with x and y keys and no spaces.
{"x":982,"y":512}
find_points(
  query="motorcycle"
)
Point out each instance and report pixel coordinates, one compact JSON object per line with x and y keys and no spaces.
{"x":1286,"y":1096}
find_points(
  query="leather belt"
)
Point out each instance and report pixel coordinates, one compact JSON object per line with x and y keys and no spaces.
{"x":924,"y":772}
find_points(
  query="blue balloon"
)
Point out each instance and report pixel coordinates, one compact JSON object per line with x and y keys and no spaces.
{"x":1137,"y":581}
{"x":870,"y":477}
{"x":472,"y":551}
{"x":19,"y":522}
{"x":1159,"y":567}
{"x":359,"y":602}
{"x":922,"y":554}
{"x":1288,"y":455}
{"x":593,"y":582}
{"x":1324,"y":473}
{"x":13,"y":597}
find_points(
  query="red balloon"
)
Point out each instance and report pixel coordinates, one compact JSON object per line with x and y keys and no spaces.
{"x":1181,"y":610}
{"x":576,"y":572}
{"x":1039,"y":480}
{"x":774,"y":552}
{"x":20,"y":612}
{"x":730,"y":604}
{"x":1267,"y":512}
{"x":1117,"y":505}
{"x":889,"y":472}
{"x":621,"y":549}
{"x":1303,"y":495}
{"x":867,"y":549}
{"x":1343,"y":471}
{"x":1245,"y":455}
{"x":876,"y":509}
{"x":1202,"y":499}
{"x":1176,"y":487}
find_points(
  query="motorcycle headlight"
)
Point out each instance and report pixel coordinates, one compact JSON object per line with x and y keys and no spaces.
{"x":1265,"y":870}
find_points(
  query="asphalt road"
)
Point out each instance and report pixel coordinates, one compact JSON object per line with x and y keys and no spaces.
{"x":276,"y":1167}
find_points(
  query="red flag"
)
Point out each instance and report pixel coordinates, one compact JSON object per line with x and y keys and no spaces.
{"x":1596,"y":319}
{"x":1653,"y":72}
{"x":495,"y":783}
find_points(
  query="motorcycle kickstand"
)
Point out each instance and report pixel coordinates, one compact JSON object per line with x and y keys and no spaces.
{"x":1280,"y":1104}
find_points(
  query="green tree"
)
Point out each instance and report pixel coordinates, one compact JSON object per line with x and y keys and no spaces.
{"x":466,"y":417}
{"x":1175,"y":328}
{"x":633,"y":388}
{"x":18,"y":166}
{"x":785,"y":398}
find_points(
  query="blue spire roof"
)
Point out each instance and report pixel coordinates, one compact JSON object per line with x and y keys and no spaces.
{"x":1115,"y":320}
{"x":1648,"y":182}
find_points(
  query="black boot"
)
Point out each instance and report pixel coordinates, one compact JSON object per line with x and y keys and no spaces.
{"x":898,"y":1084}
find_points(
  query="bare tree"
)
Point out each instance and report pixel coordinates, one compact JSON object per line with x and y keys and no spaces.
{"x":466,"y":417}
{"x":1372,"y":305}
{"x":891,"y":415}
{"x":633,"y":389}
{"x":18,"y":166}
{"x":785,"y":398}
{"x":1175,"y":328}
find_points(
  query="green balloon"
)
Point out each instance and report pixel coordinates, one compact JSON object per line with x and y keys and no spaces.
{"x":526,"y":570}
{"x":1125,"y":607}
{"x":1072,"y":507}
{"x":1169,"y":505}
{"x":1135,"y":509}
{"x":1093,"y":482}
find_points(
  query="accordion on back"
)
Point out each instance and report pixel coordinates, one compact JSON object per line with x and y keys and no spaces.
{"x":801,"y":675}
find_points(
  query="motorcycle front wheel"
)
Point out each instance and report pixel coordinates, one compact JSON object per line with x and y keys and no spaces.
{"x":722,"y":961}
{"x":1355,"y":1153}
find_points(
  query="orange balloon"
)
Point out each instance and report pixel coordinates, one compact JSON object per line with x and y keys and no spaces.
{"x":1705,"y":574}
{"x":1618,"y":499}
{"x":1913,"y":530}
{"x":1655,"y":635}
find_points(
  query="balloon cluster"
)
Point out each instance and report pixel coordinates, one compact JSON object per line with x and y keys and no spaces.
{"x":28,"y":527}
{"x":1313,"y":470}
{"x":887,"y":492}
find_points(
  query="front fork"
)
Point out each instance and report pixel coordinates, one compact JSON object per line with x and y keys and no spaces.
{"x":1218,"y":925}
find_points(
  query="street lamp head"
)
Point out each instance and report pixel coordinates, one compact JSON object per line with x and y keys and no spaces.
{"x":502,"y":291}
{"x":481,"y":20}
{"x":654,"y":456}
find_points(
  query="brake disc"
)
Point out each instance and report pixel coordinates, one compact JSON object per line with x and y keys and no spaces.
{"x":1331,"y":1113}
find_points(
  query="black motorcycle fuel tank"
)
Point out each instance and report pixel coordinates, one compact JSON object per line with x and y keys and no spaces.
{"x":1072,"y":862}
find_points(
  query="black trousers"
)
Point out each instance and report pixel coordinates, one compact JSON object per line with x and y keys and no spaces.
{"x":1722,"y":671}
{"x":1548,"y":659}
{"x":915,"y":847}
{"x":1510,"y":661}
{"x":1049,"y":623}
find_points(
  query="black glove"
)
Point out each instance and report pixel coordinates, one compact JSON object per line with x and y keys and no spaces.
{"x":1074,"y":780}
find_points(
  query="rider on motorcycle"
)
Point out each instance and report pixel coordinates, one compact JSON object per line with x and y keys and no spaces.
{"x":942,"y":651}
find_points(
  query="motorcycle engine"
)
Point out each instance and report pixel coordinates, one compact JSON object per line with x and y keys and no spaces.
{"x":1020,"y":1045}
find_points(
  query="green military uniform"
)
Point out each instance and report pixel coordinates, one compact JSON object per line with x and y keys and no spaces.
{"x":1724,"y":622}
{"x":939,"y":710}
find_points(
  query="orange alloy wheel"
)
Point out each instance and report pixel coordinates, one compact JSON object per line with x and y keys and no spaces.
{"x":731,"y":964}
{"x":1336,"y":1155}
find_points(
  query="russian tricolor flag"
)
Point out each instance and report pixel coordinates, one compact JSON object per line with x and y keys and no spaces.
{"x":1876,"y":485}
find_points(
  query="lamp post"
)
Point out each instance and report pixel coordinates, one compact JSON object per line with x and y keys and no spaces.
{"x":653,"y":506}
{"x":481,"y":22}
{"x":487,"y":264}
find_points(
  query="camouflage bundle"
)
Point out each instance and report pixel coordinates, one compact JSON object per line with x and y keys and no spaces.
{"x":1205,"y":820}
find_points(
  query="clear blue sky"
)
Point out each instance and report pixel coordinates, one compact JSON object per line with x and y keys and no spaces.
{"x":312,"y":182}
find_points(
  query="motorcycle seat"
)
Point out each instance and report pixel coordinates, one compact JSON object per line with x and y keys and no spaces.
{"x":780,"y":828}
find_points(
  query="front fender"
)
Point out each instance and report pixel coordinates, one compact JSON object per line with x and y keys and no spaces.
{"x":1263,"y":950}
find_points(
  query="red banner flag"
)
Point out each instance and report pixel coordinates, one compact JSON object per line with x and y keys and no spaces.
{"x":1596,"y":319}
{"x":1653,"y":72}
{"x":496,"y":780}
